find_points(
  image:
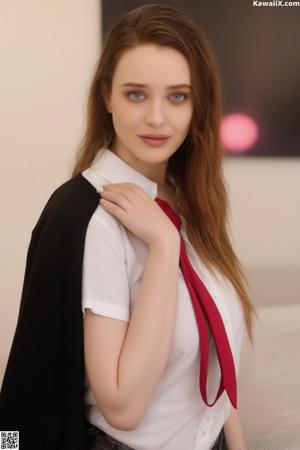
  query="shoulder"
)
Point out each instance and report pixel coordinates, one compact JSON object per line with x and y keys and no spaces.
{"x":70,"y":206}
{"x":105,"y":227}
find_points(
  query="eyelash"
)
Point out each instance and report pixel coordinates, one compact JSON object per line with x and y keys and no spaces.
{"x":175,"y":93}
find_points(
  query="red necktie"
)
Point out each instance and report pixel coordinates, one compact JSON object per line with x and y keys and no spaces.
{"x":206,"y":313}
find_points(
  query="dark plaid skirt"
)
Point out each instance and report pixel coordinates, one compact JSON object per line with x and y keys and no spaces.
{"x":96,"y":439}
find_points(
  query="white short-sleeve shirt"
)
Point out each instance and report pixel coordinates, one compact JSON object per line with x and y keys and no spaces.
{"x":113,"y":265}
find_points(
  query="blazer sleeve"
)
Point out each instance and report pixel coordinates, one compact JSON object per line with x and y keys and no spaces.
{"x":32,"y":373}
{"x":42,"y":389}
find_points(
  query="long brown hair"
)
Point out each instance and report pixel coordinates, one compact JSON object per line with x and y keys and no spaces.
{"x":196,"y":166}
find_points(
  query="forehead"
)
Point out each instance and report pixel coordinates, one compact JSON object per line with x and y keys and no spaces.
{"x":152,"y":64}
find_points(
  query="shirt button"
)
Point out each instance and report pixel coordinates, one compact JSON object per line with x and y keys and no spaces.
{"x":204,"y":433}
{"x":208,"y":419}
{"x":225,"y":323}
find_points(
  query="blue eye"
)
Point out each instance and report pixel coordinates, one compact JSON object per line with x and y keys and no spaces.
{"x":183,"y":96}
{"x":135,"y":95}
{"x":133,"y":92}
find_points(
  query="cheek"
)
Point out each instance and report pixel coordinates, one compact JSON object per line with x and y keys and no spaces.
{"x":125,"y":116}
{"x":181,"y":119}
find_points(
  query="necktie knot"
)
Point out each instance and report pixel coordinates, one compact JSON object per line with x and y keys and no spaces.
{"x":165,"y":206}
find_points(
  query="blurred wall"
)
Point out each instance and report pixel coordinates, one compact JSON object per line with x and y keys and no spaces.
{"x":48,"y":52}
{"x":265,"y":196}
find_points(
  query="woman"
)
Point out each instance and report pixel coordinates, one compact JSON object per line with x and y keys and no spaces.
{"x":146,"y":52}
{"x":156,"y":76}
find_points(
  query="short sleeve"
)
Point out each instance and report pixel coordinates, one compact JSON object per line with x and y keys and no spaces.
{"x":105,"y":286}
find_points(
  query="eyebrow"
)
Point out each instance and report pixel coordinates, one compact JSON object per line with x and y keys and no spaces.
{"x":174,"y":86}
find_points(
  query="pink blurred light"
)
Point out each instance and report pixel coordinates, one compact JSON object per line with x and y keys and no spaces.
{"x":238,"y":132}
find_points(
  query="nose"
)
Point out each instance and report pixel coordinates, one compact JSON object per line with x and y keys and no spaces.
{"x":155,"y":114}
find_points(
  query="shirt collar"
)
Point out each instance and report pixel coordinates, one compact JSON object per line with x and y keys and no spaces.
{"x":115,"y":170}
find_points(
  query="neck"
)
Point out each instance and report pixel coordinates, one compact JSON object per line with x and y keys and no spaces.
{"x":154,"y":172}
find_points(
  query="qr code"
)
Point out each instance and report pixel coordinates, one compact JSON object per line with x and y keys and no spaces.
{"x":9,"y":439}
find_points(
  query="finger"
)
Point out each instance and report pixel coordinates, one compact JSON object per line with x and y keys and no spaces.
{"x":116,"y":185}
{"x":114,"y":209}
{"x":118,"y":198}
{"x":131,"y":187}
{"x":131,"y":191}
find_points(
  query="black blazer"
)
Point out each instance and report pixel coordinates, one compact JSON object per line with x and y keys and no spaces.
{"x":43,"y":386}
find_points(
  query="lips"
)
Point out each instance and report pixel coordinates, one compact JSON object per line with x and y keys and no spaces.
{"x":154,"y":142}
{"x":155,"y":136}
